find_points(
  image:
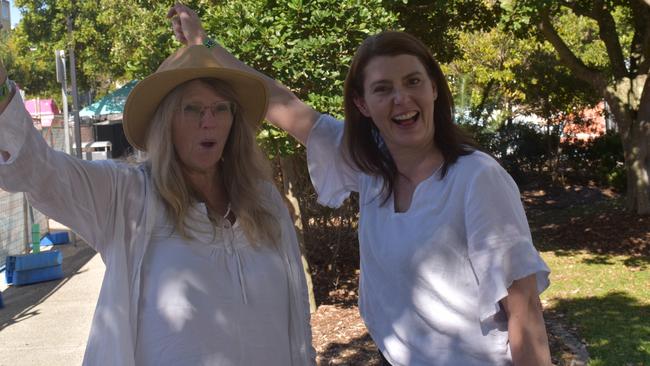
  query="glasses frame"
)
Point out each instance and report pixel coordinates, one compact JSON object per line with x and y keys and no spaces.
{"x":203,"y":110}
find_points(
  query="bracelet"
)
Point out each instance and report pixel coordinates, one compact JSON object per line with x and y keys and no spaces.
{"x":5,"y":90}
{"x":210,"y":43}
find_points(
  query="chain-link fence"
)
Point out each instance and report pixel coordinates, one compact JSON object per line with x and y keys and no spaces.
{"x":16,"y":218}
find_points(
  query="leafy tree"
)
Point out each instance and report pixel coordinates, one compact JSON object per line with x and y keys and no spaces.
{"x":606,"y":44}
{"x":440,"y":23}
{"x":42,"y":30}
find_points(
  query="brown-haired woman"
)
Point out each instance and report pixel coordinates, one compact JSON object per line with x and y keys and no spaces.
{"x":449,"y":274}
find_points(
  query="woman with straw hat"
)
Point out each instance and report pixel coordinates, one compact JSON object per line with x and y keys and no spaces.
{"x":202,"y":261}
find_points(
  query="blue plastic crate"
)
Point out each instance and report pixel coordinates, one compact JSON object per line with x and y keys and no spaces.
{"x":46,"y":242}
{"x":26,"y":277}
{"x":33,"y":260}
{"x":58,"y":237}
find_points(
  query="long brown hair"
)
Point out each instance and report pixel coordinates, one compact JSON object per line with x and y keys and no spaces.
{"x":364,"y":144}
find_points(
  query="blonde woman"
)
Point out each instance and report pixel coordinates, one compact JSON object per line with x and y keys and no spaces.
{"x":202,"y":262}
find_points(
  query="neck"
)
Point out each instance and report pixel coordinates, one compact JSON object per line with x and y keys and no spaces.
{"x":417,"y":165}
{"x":209,"y":186}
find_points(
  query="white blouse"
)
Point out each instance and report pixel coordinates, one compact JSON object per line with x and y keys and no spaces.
{"x":212,"y":300}
{"x":432,"y":277}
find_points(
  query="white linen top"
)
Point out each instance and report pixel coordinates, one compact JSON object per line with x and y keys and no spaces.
{"x":212,"y":300}
{"x":113,"y":207}
{"x":432,"y":277}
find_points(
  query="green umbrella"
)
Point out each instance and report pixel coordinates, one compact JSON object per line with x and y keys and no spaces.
{"x":110,"y":104}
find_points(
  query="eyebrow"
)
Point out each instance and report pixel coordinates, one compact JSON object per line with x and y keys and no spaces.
{"x":383,"y":81}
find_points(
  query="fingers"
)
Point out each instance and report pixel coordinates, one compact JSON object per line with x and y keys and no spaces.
{"x":186,"y":25}
{"x":178,"y":32}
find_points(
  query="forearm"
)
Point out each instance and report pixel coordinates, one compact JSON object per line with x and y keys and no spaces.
{"x":285,"y":110}
{"x":526,"y":330}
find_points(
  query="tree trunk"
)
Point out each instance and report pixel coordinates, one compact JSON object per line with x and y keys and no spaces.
{"x":633,"y":120}
{"x":637,"y":162}
{"x":290,"y":176}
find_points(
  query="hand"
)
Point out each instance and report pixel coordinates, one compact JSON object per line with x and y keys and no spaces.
{"x":186,"y":25}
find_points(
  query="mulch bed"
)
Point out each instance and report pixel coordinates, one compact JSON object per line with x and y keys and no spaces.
{"x":339,"y":336}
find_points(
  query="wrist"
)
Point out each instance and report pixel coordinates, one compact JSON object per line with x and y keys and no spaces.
{"x":6,"y":89}
{"x":209,"y":43}
{"x":199,"y":39}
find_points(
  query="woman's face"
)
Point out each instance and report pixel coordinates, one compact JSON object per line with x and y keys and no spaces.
{"x":399,"y":97}
{"x":201,"y":128}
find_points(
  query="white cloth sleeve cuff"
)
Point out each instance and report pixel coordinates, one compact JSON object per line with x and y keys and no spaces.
{"x":331,"y":176}
{"x":496,"y":271}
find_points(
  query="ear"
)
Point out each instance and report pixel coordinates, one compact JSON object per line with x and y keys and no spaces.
{"x":361,"y":105}
{"x":435,"y":91}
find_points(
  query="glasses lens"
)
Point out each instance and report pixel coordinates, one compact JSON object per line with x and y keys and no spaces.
{"x":192,"y":112}
{"x":220,"y":111}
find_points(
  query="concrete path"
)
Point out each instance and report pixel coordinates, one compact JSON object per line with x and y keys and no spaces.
{"x":48,"y":323}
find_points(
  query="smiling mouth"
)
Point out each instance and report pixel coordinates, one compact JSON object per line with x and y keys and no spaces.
{"x":406,"y":119}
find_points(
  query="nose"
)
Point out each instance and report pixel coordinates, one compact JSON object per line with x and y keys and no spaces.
{"x":208,"y":119}
{"x":400,"y":96}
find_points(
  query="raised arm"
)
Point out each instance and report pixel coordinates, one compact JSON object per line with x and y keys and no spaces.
{"x":286,"y":110}
{"x":93,"y":198}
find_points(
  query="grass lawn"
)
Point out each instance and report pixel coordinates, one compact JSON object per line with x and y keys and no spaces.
{"x":600,"y":281}
{"x":607,"y":301}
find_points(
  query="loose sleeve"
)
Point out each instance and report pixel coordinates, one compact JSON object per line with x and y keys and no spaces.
{"x":303,"y":353}
{"x":332,"y":176}
{"x":500,"y":245}
{"x":80,"y":194}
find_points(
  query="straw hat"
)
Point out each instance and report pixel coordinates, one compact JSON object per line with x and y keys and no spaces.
{"x":186,"y":64}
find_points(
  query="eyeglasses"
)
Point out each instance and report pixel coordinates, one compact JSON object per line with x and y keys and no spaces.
{"x":222,"y":112}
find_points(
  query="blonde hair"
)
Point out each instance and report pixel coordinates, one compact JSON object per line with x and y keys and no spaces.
{"x":244,"y":168}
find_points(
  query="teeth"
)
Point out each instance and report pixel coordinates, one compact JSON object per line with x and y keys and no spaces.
{"x":407,"y":115}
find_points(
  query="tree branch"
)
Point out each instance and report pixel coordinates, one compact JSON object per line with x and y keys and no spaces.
{"x":606,"y":32}
{"x":569,"y":59}
{"x":640,"y":47}
{"x":609,"y":35}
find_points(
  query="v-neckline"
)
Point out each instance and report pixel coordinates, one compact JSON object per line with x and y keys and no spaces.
{"x":413,"y":195}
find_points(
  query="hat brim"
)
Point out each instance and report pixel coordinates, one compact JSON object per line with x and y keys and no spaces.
{"x":145,"y":97}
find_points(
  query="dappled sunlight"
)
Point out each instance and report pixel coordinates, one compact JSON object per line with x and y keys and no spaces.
{"x":618,"y":325}
{"x":603,"y":228}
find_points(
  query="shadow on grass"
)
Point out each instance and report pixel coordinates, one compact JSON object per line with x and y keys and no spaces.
{"x":359,"y":351}
{"x":616,"y":327}
{"x":602,"y":229}
{"x":20,"y":301}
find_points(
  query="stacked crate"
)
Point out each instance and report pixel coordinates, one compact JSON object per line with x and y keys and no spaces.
{"x":32,"y":268}
{"x":35,"y":267}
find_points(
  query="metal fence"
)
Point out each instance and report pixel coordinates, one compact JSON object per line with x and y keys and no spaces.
{"x":15,"y":224}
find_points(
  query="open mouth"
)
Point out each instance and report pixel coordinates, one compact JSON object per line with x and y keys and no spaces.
{"x":406,"y":119}
{"x":207,"y":144}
